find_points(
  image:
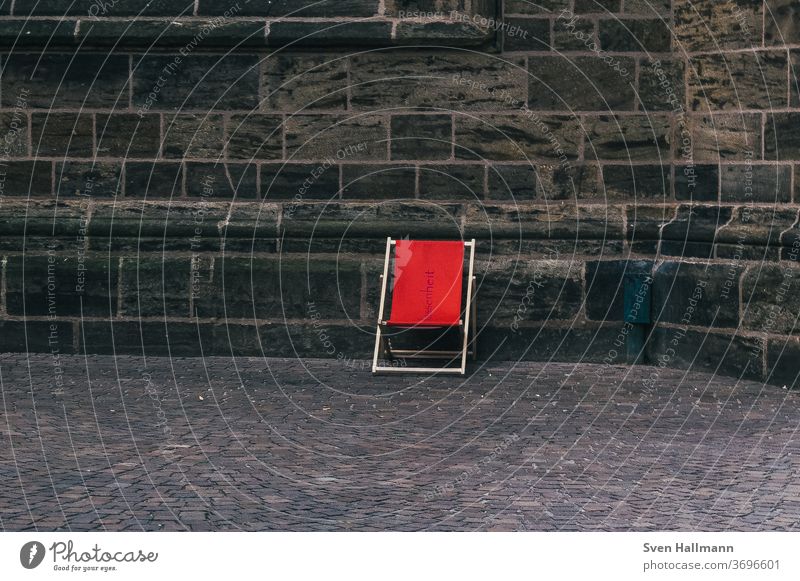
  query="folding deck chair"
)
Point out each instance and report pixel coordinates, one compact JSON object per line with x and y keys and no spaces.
{"x":426,"y":293}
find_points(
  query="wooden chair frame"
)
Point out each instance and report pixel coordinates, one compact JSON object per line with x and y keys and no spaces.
{"x":383,"y":348}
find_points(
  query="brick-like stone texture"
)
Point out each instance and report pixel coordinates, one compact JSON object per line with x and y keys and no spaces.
{"x":209,"y":186}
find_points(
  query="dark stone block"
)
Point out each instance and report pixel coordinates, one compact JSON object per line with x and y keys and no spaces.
{"x":90,"y":179}
{"x":597,"y":6}
{"x":540,"y":7}
{"x":661,"y":85}
{"x":303,"y":181}
{"x":758,"y":226}
{"x":128,"y":135}
{"x":517,"y":137}
{"x":512,"y":182}
{"x":421,"y":137}
{"x":760,"y":183}
{"x":19,"y":34}
{"x":37,"y":337}
{"x":648,"y":7}
{"x":221,"y":180}
{"x":697,"y":294}
{"x":255,"y":136}
{"x":698,"y":183}
{"x":146,"y":338}
{"x":155,"y":287}
{"x":457,"y":82}
{"x":298,"y":82}
{"x":195,"y":81}
{"x":719,"y":353}
{"x":526,"y":34}
{"x":781,"y":22}
{"x":58,"y":286}
{"x":26,"y":178}
{"x":634,"y":35}
{"x":95,"y":10}
{"x":82,"y":80}
{"x":771,"y":299}
{"x":153,"y":179}
{"x":437,"y":33}
{"x":696,"y":223}
{"x":781,"y":137}
{"x":171,"y":33}
{"x":739,"y":81}
{"x":256,"y":288}
{"x":783,"y":362}
{"x":575,"y":36}
{"x":451,"y":182}
{"x":644,"y":222}
{"x":300,"y":33}
{"x":794,"y":78}
{"x":517,"y":291}
{"x":14,"y":136}
{"x":550,"y":343}
{"x":292,"y":8}
{"x":546,"y":222}
{"x":605,"y":287}
{"x":193,"y":136}
{"x":62,"y":134}
{"x":569,"y":182}
{"x":633,"y":182}
{"x":628,"y":137}
{"x":580,"y":83}
{"x":333,"y":138}
{"x":378,"y":181}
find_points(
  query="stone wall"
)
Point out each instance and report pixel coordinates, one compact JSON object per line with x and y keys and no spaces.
{"x":211,"y":177}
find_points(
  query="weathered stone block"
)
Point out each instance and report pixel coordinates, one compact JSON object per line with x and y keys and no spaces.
{"x":783,"y":362}
{"x":739,"y":81}
{"x":661,"y":84}
{"x":36,"y":337}
{"x":605,"y":287}
{"x":756,"y":183}
{"x":526,"y":34}
{"x":697,"y":294}
{"x":128,"y":135}
{"x":517,"y":290}
{"x":580,"y":83}
{"x":450,"y":81}
{"x":781,"y":137}
{"x":62,"y":134}
{"x":196,"y":81}
{"x":170,"y":33}
{"x":633,"y":182}
{"x":378,"y":181}
{"x":569,"y":182}
{"x":512,"y":182}
{"x":629,"y":137}
{"x":155,"y":287}
{"x":193,"y":136}
{"x":254,"y":136}
{"x":299,"y":82}
{"x":58,"y":286}
{"x":697,"y":183}
{"x":540,"y":7}
{"x":517,"y":137}
{"x":425,"y":137}
{"x":300,"y":181}
{"x":716,"y":25}
{"x":221,"y":180}
{"x":153,"y":179}
{"x":544,"y":222}
{"x":771,"y":298}
{"x":86,"y":178}
{"x":597,"y":6}
{"x":14,"y":136}
{"x":717,"y":352}
{"x":26,"y":178}
{"x":82,"y":80}
{"x":726,"y":136}
{"x":781,"y":22}
{"x":634,"y":35}
{"x":451,"y":182}
{"x":336,"y":138}
{"x":294,"y":8}
{"x":302,"y":33}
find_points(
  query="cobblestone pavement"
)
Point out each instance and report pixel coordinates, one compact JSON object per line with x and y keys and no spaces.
{"x":253,"y":444}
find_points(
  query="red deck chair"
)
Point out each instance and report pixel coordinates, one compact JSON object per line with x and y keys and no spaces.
{"x":426,"y":290}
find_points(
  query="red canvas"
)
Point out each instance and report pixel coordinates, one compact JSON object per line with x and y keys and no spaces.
{"x":427,"y":283}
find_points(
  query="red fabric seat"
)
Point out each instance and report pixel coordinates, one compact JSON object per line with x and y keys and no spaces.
{"x":427,"y":283}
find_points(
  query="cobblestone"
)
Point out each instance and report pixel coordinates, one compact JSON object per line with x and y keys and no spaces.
{"x":125,"y":444}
